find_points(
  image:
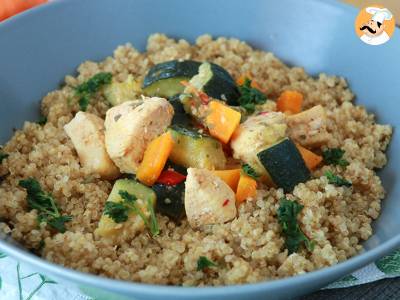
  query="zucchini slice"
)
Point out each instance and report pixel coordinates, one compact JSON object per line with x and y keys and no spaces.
{"x":194,"y":150}
{"x":217,"y":83}
{"x":163,"y":80}
{"x":170,"y":200}
{"x":284,"y":164}
{"x":107,"y":227}
{"x":180,"y":115}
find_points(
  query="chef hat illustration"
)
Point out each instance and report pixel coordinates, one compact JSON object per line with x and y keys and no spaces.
{"x":379,"y":14}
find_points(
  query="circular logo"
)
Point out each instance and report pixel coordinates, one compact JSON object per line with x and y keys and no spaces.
{"x":375,"y":24}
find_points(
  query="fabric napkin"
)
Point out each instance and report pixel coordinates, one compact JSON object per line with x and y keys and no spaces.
{"x":21,"y":282}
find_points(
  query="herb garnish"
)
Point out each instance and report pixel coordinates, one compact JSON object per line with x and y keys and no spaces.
{"x":119,"y":211}
{"x":204,"y":263}
{"x":250,"y":96}
{"x":337,"y":180}
{"x":87,"y":89}
{"x":42,"y":120}
{"x":250,"y":171}
{"x":287,"y":217}
{"x":334,"y":156}
{"x":3,"y":156}
{"x":45,"y":204}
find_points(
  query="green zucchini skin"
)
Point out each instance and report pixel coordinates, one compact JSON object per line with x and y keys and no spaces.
{"x":222,"y":86}
{"x":186,"y":131}
{"x":164,"y":80}
{"x":170,"y":69}
{"x":133,"y":187}
{"x":180,"y":115}
{"x":170,"y":200}
{"x":195,"y":150}
{"x":285,"y":165}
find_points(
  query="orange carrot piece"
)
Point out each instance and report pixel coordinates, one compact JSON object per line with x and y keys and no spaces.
{"x":231,"y":177}
{"x":290,"y":101}
{"x":311,"y":159}
{"x":222,"y":121}
{"x":247,"y":188}
{"x":155,"y":158}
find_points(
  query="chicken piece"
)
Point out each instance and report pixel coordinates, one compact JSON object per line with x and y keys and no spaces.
{"x":87,"y":134}
{"x":308,"y":128}
{"x":256,"y":134}
{"x":131,"y":126}
{"x":208,"y":199}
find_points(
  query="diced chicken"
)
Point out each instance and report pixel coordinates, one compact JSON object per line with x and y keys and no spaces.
{"x":208,"y":199}
{"x":308,"y":128}
{"x":256,"y":134}
{"x":87,"y":134}
{"x":131,"y":126}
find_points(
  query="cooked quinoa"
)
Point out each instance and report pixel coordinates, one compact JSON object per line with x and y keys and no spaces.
{"x":248,"y":249}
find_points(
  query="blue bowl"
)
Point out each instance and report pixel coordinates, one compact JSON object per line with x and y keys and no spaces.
{"x":40,"y":46}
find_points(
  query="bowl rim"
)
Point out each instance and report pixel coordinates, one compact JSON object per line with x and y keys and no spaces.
{"x":129,"y":287}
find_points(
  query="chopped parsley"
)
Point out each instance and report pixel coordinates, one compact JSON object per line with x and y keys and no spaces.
{"x":86,"y":90}
{"x":42,"y":120}
{"x":204,"y":263}
{"x":250,"y":97}
{"x":334,"y":156}
{"x":250,"y":171}
{"x":3,"y":156}
{"x":337,"y":180}
{"x":119,"y":211}
{"x":287,"y":217}
{"x":45,"y":204}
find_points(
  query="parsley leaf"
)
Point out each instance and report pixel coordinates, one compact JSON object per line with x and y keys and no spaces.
{"x":119,"y":211}
{"x":45,"y":204}
{"x":58,"y":223}
{"x":204,"y":263}
{"x":250,"y":171}
{"x":90,"y":87}
{"x":337,"y":180}
{"x":250,"y":96}
{"x":84,"y":102}
{"x":3,"y":156}
{"x":116,"y":211}
{"x":42,"y":120}
{"x":287,"y":217}
{"x":334,"y":156}
{"x":128,"y":198}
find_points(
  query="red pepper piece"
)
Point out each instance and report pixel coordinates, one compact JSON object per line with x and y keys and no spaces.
{"x":169,"y":177}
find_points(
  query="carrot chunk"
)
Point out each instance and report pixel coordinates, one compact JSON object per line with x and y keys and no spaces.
{"x":290,"y":101}
{"x":311,"y":159}
{"x":222,"y":121}
{"x":231,"y":177}
{"x":247,"y":188}
{"x":154,"y":159}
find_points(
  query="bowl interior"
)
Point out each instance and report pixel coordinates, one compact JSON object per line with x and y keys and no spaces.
{"x":46,"y":44}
